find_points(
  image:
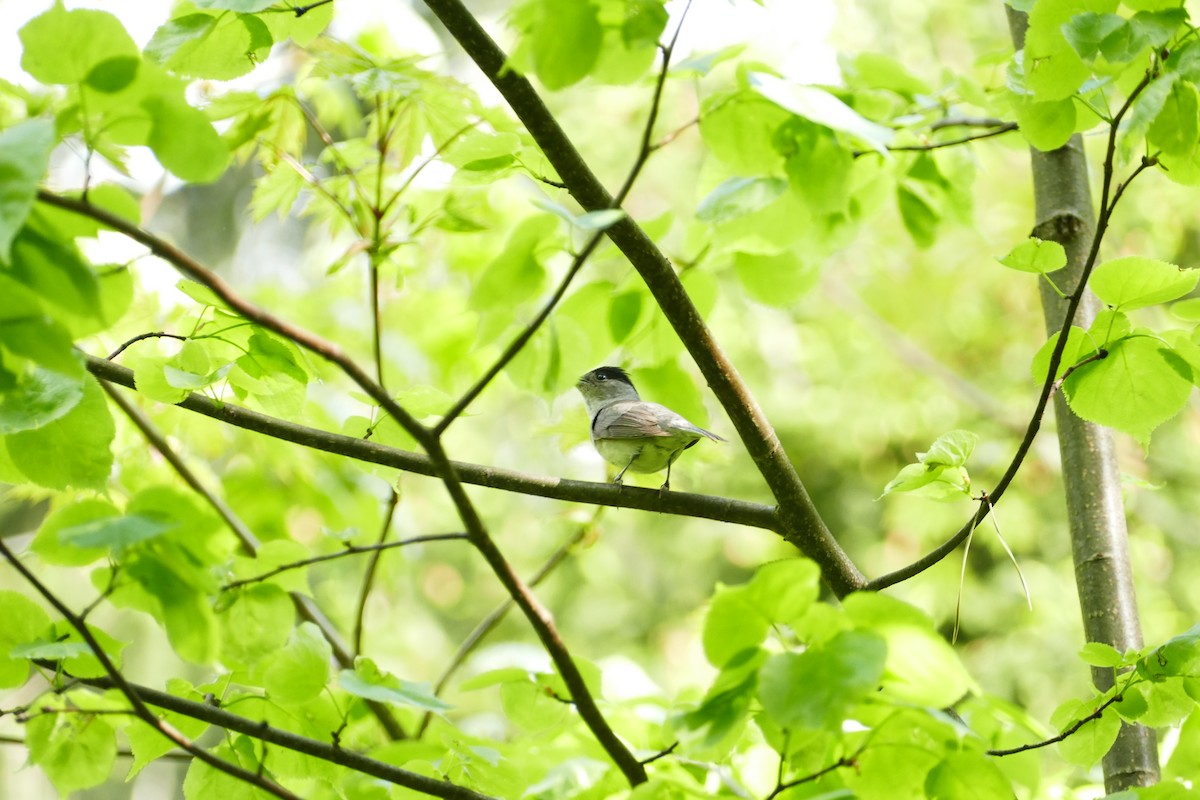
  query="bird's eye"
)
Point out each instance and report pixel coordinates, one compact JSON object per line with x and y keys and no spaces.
{"x":601,"y":377}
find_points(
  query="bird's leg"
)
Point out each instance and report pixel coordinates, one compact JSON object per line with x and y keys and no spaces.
{"x":662,"y":490}
{"x":621,"y":474}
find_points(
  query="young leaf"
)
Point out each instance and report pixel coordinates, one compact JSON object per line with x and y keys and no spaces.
{"x":819,"y":106}
{"x":1135,"y":282}
{"x":737,"y":197}
{"x":1138,"y":386}
{"x":1035,"y":255}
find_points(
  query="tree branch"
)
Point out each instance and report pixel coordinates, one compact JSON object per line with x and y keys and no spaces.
{"x":539,"y":618}
{"x":1001,"y":128}
{"x":349,"y":551}
{"x":801,"y":522}
{"x":489,"y":622}
{"x":262,"y":731}
{"x":368,"y":581}
{"x":139,"y":708}
{"x":577,"y":263}
{"x":306,"y":607}
{"x":1069,"y":730}
{"x":1075,"y":298}
{"x":720,"y":509}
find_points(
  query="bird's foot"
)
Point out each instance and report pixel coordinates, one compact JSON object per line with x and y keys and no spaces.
{"x":662,"y":490}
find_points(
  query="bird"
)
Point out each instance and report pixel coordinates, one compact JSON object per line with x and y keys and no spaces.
{"x":632,"y":433}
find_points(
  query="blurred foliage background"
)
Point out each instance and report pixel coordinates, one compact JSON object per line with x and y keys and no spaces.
{"x":880,"y":339}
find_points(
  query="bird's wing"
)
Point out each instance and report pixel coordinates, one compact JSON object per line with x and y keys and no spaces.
{"x":629,"y":419}
{"x":636,"y":420}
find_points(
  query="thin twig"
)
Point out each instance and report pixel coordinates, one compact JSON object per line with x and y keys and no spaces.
{"x":845,"y":761}
{"x":140,"y":337}
{"x":1074,"y":727}
{"x":139,"y":708}
{"x":1005,"y":127}
{"x":368,"y":580}
{"x":300,"y":11}
{"x":349,"y":551}
{"x":967,"y":122}
{"x":1076,"y":297}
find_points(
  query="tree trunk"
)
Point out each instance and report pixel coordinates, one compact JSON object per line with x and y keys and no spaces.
{"x":1091,"y":477}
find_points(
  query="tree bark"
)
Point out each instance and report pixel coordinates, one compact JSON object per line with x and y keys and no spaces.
{"x":1090,"y":473}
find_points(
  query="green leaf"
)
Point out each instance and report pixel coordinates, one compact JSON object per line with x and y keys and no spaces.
{"x":24,"y":157}
{"x":516,"y":274}
{"x":115,"y":533}
{"x":299,"y":671}
{"x":951,"y":449}
{"x":777,"y":280}
{"x":213,"y":46}
{"x":366,"y":681}
{"x":1138,"y":386}
{"x":1035,"y":255}
{"x":62,"y":46}
{"x":920,"y":210}
{"x":1179,"y":657}
{"x":967,"y":774}
{"x":55,"y":270}
{"x":1176,"y":128}
{"x":737,"y":197}
{"x":244,"y":6}
{"x":256,"y":623}
{"x":1053,"y":68}
{"x":33,"y":399}
{"x":623,"y":313}
{"x":1135,"y":282}
{"x":72,"y":450}
{"x":184,"y":141}
{"x":1099,"y":654}
{"x":1048,"y":124}
{"x":48,"y":543}
{"x":846,"y":668}
{"x":24,"y":622}
{"x":921,"y":667}
{"x":739,"y":128}
{"x":148,"y":744}
{"x":75,"y":750}
{"x":732,"y":625}
{"x":560,"y":41}
{"x":1079,"y":345}
{"x":1089,"y":33}
{"x":819,"y":106}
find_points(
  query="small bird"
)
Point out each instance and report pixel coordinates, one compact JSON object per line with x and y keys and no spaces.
{"x":631,"y":433}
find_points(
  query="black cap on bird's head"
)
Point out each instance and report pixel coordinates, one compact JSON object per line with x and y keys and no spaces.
{"x":608,"y":374}
{"x":605,"y":385}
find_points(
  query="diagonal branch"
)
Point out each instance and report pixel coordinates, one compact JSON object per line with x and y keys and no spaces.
{"x":720,"y":509}
{"x":261,"y":730}
{"x":1107,"y":207}
{"x":306,"y":607}
{"x":801,"y":522}
{"x":364,"y":590}
{"x":539,"y":617}
{"x":489,"y":622}
{"x":140,"y":708}
{"x":577,"y":263}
